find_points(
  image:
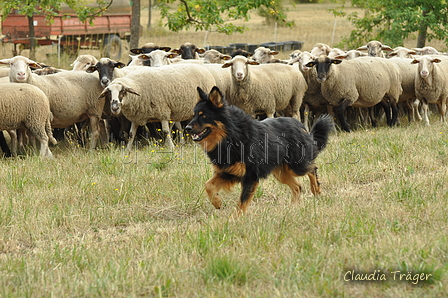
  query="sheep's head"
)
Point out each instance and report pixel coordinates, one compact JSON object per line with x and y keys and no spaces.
{"x":263,"y":55}
{"x":425,"y":67}
{"x":83,"y":62}
{"x":240,"y":67}
{"x":115,"y":92}
{"x":105,"y":68}
{"x":323,"y":65}
{"x":20,"y":68}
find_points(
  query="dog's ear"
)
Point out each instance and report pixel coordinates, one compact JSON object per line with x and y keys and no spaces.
{"x":216,"y":98}
{"x":202,"y":95}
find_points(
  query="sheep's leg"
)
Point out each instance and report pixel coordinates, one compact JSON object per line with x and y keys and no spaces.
{"x":95,"y":131}
{"x":415,"y":108}
{"x":167,"y":131}
{"x":340,"y":112}
{"x":13,"y":136}
{"x":270,"y":115}
{"x":442,"y":109}
{"x":306,"y":115}
{"x":4,"y":145}
{"x":39,"y":132}
{"x":132,"y":133}
{"x":180,"y":131}
{"x":425,"y":113}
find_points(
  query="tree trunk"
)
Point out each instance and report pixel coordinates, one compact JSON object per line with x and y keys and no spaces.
{"x":32,"y":38}
{"x":135,"y":25}
{"x":148,"y":26}
{"x":421,"y":39}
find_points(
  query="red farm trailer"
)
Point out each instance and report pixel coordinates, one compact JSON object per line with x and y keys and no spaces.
{"x":70,"y":34}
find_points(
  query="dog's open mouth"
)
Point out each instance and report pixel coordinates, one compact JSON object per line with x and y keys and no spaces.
{"x":200,"y":136}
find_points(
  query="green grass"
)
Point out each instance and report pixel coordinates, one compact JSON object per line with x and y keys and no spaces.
{"x":105,"y":223}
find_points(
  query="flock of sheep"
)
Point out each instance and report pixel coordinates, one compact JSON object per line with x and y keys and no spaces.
{"x":159,"y":85}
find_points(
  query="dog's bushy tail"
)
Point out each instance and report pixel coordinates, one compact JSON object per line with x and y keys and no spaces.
{"x":321,"y":130}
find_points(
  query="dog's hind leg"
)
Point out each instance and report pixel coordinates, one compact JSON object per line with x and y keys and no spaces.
{"x":314,"y":181}
{"x":247,"y":194}
{"x":285,"y":175}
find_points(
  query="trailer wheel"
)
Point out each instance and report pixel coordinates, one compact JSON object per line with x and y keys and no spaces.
{"x":112,"y":46}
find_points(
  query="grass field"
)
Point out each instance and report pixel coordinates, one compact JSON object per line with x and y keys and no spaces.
{"x":106,"y":223}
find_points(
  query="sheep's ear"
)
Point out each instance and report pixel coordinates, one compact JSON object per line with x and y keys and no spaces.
{"x":119,"y":64}
{"x":33,"y":64}
{"x":172,"y":55}
{"x":436,"y":60}
{"x":216,"y":98}
{"x":143,"y":57}
{"x":166,"y":49}
{"x":177,"y":51}
{"x":310,"y":64}
{"x":228,"y":64}
{"x":392,"y":54}
{"x":386,"y":48}
{"x":136,"y":51}
{"x":274,"y":52}
{"x":362,"y":48}
{"x":415,"y":61}
{"x":200,"y":51}
{"x":5,"y":61}
{"x":226,"y":57}
{"x":251,"y":62}
{"x":336,"y":61}
{"x":91,"y":69}
{"x":104,"y":93}
{"x":130,"y":90}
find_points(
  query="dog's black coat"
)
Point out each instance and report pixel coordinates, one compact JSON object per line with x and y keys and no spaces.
{"x":261,"y":146}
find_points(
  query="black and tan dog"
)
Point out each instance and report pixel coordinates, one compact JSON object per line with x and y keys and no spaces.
{"x":242,"y":149}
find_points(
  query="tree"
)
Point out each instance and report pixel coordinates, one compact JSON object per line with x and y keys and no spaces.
{"x":393,"y":21}
{"x":50,"y":9}
{"x":216,"y":14}
{"x":135,"y":25}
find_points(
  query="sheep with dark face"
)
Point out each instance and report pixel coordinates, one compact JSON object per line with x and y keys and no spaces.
{"x":361,"y":82}
{"x":188,"y":50}
{"x":109,"y":69}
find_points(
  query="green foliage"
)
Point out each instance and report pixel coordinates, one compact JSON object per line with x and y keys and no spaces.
{"x":393,"y":21}
{"x":50,"y":8}
{"x":217,"y":15}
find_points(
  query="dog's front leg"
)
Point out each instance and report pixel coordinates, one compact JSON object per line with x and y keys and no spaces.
{"x":212,"y":186}
{"x":249,"y":186}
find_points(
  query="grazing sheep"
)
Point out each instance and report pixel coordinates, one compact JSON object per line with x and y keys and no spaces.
{"x":24,"y":106}
{"x":73,"y":95}
{"x":82,"y":62}
{"x":158,"y":94}
{"x":431,"y":83}
{"x":375,"y":49}
{"x":188,"y":50}
{"x":265,"y":88}
{"x":266,"y":55}
{"x":361,"y":82}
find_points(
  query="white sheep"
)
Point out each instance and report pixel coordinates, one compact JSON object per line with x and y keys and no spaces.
{"x":156,"y":58}
{"x":158,"y":94}
{"x":293,"y":55}
{"x":361,"y":82}
{"x":265,"y":55}
{"x":82,"y":62}
{"x":320,"y":49}
{"x":73,"y":95}
{"x":352,"y":54}
{"x":427,"y":51}
{"x":375,"y":49}
{"x":215,"y":57}
{"x":431,"y":83}
{"x":265,"y":88}
{"x":24,"y":106}
{"x":402,"y":52}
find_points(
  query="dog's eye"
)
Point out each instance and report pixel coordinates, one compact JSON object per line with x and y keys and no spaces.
{"x":203,"y":116}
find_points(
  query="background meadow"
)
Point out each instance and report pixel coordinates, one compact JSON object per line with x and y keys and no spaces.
{"x":107,"y":223}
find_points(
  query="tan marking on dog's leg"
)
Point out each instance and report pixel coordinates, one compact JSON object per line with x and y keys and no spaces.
{"x":286,"y":176}
{"x":213,"y":186}
{"x":314,"y":181}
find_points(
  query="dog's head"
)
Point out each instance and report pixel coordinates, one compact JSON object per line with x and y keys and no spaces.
{"x":208,"y":125}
